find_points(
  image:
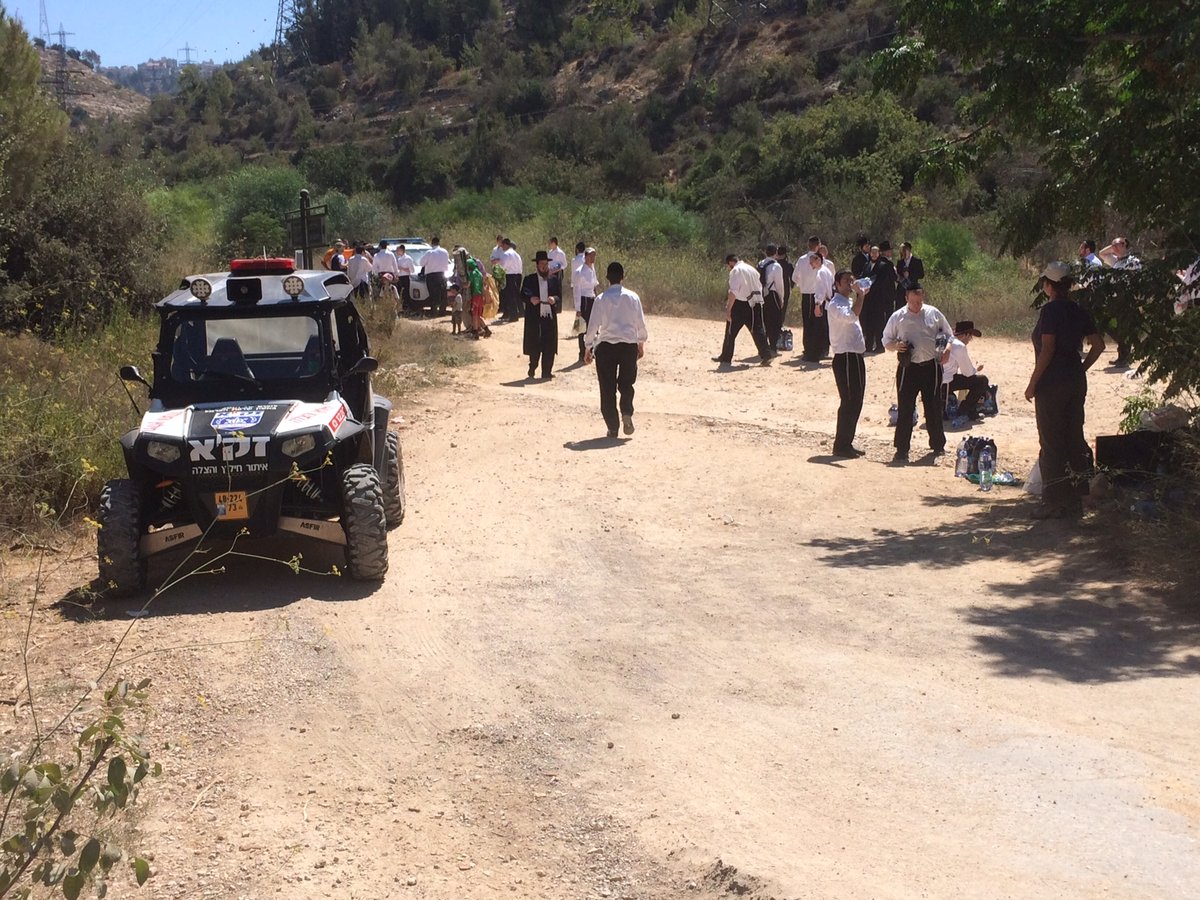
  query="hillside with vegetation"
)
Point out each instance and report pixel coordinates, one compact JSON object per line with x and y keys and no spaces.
{"x":655,"y":130}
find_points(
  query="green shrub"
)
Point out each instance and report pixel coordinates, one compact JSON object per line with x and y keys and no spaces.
{"x":945,"y":247}
{"x":656,"y":223}
{"x":270,"y":191}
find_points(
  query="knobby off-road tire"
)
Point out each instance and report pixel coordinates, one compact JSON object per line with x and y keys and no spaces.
{"x":393,"y":481}
{"x":122,"y":569}
{"x":365,"y":524}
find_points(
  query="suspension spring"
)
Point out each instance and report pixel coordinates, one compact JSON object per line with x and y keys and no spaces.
{"x":310,"y":489}
{"x":171,"y":496}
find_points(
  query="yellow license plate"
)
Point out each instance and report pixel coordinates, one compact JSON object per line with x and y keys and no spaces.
{"x":232,"y":505}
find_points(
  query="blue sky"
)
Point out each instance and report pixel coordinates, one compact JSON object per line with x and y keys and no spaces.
{"x":126,"y":33}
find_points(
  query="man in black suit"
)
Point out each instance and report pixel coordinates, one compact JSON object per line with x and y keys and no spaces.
{"x":541,"y":293}
{"x":909,"y":268}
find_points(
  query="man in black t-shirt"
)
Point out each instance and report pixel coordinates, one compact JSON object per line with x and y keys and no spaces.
{"x":1059,"y":387}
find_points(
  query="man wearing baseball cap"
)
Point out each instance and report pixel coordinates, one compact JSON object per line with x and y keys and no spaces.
{"x":960,"y":374}
{"x":1058,"y":387}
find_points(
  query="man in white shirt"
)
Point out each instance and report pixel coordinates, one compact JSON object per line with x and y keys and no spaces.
{"x":743,"y":309}
{"x":358,"y":270}
{"x":920,"y":335}
{"x":770,"y":274}
{"x":558,"y":259}
{"x":510,"y":298}
{"x":583,"y":286}
{"x":816,"y":330}
{"x":406,"y":267}
{"x":848,"y":346}
{"x":616,"y":338}
{"x":580,"y":247}
{"x":960,"y":374}
{"x":384,"y":263}
{"x":434,"y":264}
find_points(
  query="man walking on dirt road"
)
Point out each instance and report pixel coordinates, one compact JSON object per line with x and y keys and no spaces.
{"x":616,"y":337}
{"x":744,"y":309}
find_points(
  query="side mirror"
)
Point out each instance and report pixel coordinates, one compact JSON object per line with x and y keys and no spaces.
{"x":363,"y":366}
{"x":131,"y":373}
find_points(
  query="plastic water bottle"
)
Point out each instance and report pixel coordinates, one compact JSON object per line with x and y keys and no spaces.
{"x":986,"y":470}
{"x":963,"y":464}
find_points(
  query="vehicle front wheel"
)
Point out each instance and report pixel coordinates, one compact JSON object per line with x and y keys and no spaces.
{"x":393,"y":481}
{"x":365,"y":523}
{"x":118,"y":549}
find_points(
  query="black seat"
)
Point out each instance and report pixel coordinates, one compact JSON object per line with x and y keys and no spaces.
{"x":227,"y":359}
{"x":310,"y":361}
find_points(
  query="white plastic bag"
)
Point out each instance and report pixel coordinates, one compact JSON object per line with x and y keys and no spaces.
{"x":1033,"y":484}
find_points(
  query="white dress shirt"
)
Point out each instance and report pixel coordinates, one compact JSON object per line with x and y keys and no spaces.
{"x":583,"y":283}
{"x":774,"y":274}
{"x":959,"y":362}
{"x":436,"y":261}
{"x":804,"y":277}
{"x":918,"y":329}
{"x":745,"y":284}
{"x":558,"y":260}
{"x":511,"y":261}
{"x":497,"y":254}
{"x":385,"y":261}
{"x":575,"y":264}
{"x":358,"y":269}
{"x":405,"y":265}
{"x":845,"y":331}
{"x":617,"y":318}
{"x":824,"y":285}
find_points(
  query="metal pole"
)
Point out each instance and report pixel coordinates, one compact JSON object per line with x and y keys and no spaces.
{"x":308,"y":263}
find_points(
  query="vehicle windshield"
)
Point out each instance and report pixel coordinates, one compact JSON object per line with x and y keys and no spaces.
{"x":245,"y":350}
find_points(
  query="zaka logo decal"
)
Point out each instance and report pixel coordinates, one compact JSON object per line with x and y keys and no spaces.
{"x":238,"y":420}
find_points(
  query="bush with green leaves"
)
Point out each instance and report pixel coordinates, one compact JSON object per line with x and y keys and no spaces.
{"x":255,"y":199}
{"x":57,"y":816}
{"x":945,"y":247}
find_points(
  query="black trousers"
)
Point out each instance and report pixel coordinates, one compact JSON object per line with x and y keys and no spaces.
{"x":510,"y":300}
{"x":585,"y":310}
{"x":616,"y":370}
{"x":850,"y":373}
{"x":743,"y":315}
{"x":1065,"y":460}
{"x":816,"y":330}
{"x":924,"y":379}
{"x":976,"y":387}
{"x":772,"y":318}
{"x":402,"y":287}
{"x":436,"y":283}
{"x":874,"y":317}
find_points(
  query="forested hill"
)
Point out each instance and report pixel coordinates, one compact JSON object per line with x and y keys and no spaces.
{"x":763,"y":115}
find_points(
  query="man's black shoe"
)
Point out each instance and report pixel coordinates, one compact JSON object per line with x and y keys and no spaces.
{"x":723,"y":362}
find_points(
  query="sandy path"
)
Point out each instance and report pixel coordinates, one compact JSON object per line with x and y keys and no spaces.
{"x":598,"y":669}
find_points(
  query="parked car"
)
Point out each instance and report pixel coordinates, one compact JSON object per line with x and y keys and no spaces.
{"x":418,"y":291}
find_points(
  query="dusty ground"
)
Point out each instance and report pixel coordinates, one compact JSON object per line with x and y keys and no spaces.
{"x":710,"y":660}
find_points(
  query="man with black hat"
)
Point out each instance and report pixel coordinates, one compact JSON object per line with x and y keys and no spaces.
{"x":616,"y":337}
{"x":960,"y":374}
{"x":542,"y":294}
{"x":883,"y":298}
{"x":918,"y":334}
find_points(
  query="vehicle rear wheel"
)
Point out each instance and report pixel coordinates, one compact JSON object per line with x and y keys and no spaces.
{"x":393,"y":481}
{"x":365,"y":523}
{"x":118,"y":550}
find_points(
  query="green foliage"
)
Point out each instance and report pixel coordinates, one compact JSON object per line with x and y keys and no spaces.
{"x":363,"y":217}
{"x":31,"y":127}
{"x":78,"y":253}
{"x":1136,"y":404}
{"x":53,"y":830}
{"x":339,"y":168}
{"x":386,"y":61}
{"x":1092,"y":87}
{"x":945,"y":247}
{"x":256,"y":199}
{"x":656,"y":223}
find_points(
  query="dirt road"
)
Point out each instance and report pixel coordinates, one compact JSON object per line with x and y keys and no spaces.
{"x":710,"y":660}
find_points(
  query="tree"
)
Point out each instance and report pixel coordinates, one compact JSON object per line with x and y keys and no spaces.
{"x":1109,"y":94}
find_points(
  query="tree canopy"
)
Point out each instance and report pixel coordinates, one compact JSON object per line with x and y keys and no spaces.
{"x":1108,"y":94}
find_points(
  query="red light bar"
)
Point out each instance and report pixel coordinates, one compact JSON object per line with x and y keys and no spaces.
{"x":280,"y":265}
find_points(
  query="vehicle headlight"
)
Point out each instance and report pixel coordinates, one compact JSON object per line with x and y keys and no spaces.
{"x":162,"y":451}
{"x":200,"y":289}
{"x":298,"y":446}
